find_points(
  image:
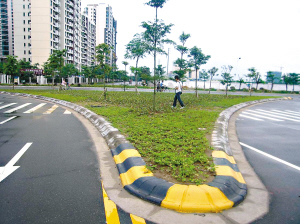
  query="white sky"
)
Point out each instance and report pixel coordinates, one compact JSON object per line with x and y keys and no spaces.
{"x":265,"y":34}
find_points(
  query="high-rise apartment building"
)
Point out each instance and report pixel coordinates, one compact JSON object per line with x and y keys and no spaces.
{"x":106,"y":27}
{"x":32,"y":29}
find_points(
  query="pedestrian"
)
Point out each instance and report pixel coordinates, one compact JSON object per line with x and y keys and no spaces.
{"x":162,"y":86}
{"x":178,"y":92}
{"x":158,"y":86}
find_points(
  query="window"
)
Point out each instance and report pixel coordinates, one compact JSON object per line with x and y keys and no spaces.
{"x":23,"y":13}
{"x":24,"y":44}
{"x":51,"y":27}
{"x":23,"y":21}
{"x":29,"y":21}
{"x":51,"y":19}
{"x":51,"y":11}
{"x":24,"y":29}
{"x":23,"y":6}
{"x":24,"y":37}
{"x":51,"y":44}
{"x":24,"y":52}
{"x":51,"y":35}
{"x":29,"y":37}
{"x":29,"y":29}
{"x":29,"y":59}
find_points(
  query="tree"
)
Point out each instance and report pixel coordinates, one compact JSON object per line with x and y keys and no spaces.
{"x":286,"y":80}
{"x":180,"y":62}
{"x":11,"y":67}
{"x":136,"y":49}
{"x":251,"y":76}
{"x":125,"y":63}
{"x":212,"y":72}
{"x":160,"y":72}
{"x":55,"y":63}
{"x":102,"y":52}
{"x":257,"y":79}
{"x":154,"y":35}
{"x":240,"y":81}
{"x":197,"y":59}
{"x":271,"y":78}
{"x":69,"y":70}
{"x":87,"y":72}
{"x":227,"y":78}
{"x":203,"y":75}
{"x":294,"y":79}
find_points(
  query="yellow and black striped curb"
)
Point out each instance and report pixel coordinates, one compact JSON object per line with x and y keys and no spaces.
{"x":227,"y":190}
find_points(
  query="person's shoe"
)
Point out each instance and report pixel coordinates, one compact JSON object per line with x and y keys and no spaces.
{"x":172,"y":107}
{"x":182,"y":107}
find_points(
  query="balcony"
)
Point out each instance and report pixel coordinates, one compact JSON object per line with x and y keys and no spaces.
{"x":55,"y":9}
{"x":55,"y":32}
{"x":56,"y":25}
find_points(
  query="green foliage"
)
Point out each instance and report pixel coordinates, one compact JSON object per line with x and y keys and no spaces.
{"x":69,"y":70}
{"x":173,"y":141}
{"x":227,"y":78}
{"x":156,"y":3}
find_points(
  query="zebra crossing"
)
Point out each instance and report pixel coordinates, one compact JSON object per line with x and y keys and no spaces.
{"x":9,"y":108}
{"x":271,"y":115}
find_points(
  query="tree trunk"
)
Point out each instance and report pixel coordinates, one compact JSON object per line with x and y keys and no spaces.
{"x":155,"y":60}
{"x":136,"y":66}
{"x":240,"y":86}
{"x":204,"y":85}
{"x":286,"y":86}
{"x":226,"y":89}
{"x":196,"y":83}
{"x":209,"y":85}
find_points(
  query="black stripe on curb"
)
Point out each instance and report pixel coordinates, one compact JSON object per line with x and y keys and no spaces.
{"x":234,"y":190}
{"x":152,"y":189}
{"x":129,"y":163}
{"x":225,"y":162}
{"x":120,"y":148}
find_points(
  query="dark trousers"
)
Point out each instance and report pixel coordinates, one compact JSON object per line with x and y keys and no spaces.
{"x":177,"y":97}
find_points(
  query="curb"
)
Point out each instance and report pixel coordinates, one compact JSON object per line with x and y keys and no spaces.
{"x":227,"y":190}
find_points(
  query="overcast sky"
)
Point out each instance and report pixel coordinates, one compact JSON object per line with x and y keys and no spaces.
{"x":265,"y":34}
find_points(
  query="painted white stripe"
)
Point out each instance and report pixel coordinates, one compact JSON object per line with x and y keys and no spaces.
{"x":53,"y":108}
{"x":253,"y":118}
{"x":295,"y":112}
{"x":19,"y":154}
{"x":288,"y":113}
{"x":279,"y":113}
{"x":67,"y":112}
{"x":8,"y":119}
{"x":270,"y":156}
{"x":261,"y":116}
{"x":272,"y":115}
{"x":16,"y":108}
{"x":7,"y":105}
{"x":34,"y":108}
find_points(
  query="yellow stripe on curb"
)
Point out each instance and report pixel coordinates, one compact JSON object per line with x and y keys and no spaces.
{"x":137,"y":220}
{"x":134,"y":173}
{"x":111,"y":211}
{"x":126,"y":154}
{"x":192,"y":198}
{"x":228,"y":171}
{"x":221,"y":154}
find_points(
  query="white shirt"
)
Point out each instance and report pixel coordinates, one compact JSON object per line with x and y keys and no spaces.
{"x":179,"y":87}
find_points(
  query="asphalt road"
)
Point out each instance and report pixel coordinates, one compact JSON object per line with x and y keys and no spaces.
{"x":57,"y":177}
{"x":269,"y":135}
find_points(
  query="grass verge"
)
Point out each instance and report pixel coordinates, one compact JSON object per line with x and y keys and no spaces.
{"x":173,"y":142}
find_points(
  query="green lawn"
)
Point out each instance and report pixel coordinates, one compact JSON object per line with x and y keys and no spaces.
{"x":173,"y":142}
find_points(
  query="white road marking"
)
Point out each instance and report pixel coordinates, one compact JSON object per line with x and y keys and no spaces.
{"x":34,"y":108}
{"x":270,"y":156}
{"x":261,"y":116}
{"x":53,"y":108}
{"x":16,"y":108}
{"x":67,"y":112}
{"x":9,"y":168}
{"x":8,"y":119}
{"x":272,"y":115}
{"x":279,"y":113}
{"x":253,"y":118}
{"x":7,"y":105}
{"x":288,"y":113}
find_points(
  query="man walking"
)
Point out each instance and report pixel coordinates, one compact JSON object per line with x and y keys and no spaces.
{"x":178,"y":92}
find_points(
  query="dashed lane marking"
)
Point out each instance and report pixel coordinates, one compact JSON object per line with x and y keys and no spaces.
{"x":17,"y":108}
{"x":34,"y":108}
{"x":53,"y":108}
{"x":8,"y":119}
{"x":270,"y":156}
{"x":7,"y":105}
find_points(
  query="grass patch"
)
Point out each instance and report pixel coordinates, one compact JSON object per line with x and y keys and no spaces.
{"x":173,"y":142}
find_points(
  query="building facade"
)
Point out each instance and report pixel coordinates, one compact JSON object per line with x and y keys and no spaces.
{"x":33,"y":29}
{"x":106,"y":27}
